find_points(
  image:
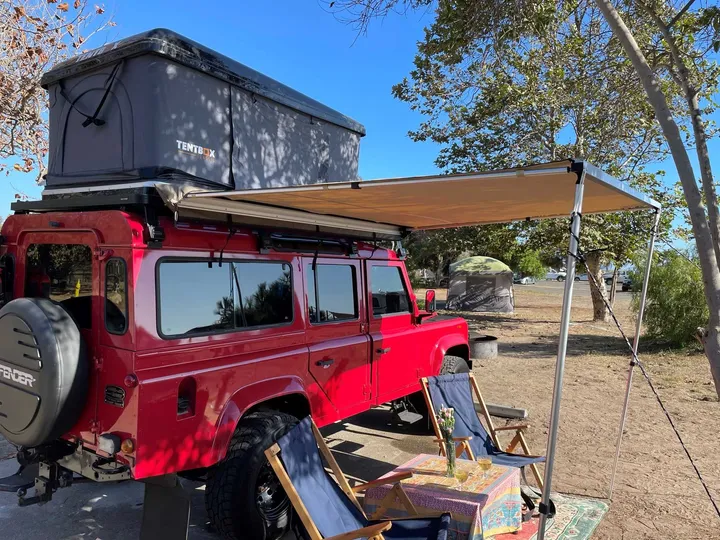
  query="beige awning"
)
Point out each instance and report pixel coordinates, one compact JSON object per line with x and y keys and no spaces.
{"x":432,"y":202}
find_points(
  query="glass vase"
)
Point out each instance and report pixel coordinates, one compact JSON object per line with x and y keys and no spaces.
{"x":450,"y":452}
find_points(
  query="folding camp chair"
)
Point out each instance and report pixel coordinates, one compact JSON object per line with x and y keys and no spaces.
{"x":470,"y":436}
{"x":330,"y":509}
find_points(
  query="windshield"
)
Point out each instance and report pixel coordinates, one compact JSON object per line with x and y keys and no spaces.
{"x":62,"y":273}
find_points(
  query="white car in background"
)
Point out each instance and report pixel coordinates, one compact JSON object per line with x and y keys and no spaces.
{"x":525,"y":280}
{"x":556,"y":276}
{"x":627,"y":283}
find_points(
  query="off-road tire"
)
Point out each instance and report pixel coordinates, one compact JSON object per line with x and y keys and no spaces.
{"x":454,"y":364}
{"x":230,"y":497}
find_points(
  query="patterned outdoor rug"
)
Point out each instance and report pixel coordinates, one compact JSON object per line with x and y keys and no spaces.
{"x":576,"y":519}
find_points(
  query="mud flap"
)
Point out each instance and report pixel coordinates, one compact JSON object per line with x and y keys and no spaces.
{"x":166,"y":509}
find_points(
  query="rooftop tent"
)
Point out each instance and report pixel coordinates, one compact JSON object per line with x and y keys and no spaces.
{"x":480,"y":284}
{"x":158,"y":106}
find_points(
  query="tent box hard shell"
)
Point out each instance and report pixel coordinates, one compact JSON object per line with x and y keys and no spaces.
{"x":158,"y":106}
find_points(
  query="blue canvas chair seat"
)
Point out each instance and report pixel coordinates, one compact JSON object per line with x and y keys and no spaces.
{"x":329,"y":509}
{"x":475,"y":440}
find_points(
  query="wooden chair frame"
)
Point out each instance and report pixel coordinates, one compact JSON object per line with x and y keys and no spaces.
{"x":372,"y":532}
{"x":463,"y":443}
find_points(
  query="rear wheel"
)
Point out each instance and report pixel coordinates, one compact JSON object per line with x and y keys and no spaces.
{"x":244,"y":498}
{"x":561,"y":278}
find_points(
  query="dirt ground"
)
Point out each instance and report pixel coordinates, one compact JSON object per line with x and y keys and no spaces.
{"x":656,"y":492}
{"x":656,"y":495}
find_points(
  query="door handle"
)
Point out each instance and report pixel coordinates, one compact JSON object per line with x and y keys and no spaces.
{"x":325,"y":363}
{"x":383,"y":351}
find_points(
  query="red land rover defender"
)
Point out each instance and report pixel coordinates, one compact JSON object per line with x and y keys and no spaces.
{"x":141,"y":344}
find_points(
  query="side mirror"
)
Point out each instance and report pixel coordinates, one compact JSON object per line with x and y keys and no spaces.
{"x":430,"y":300}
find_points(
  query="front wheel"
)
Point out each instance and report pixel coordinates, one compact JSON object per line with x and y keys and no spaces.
{"x":454,"y":364}
{"x":244,"y":498}
{"x":560,"y":278}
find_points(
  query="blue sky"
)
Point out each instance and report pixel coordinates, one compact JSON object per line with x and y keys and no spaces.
{"x":302,"y":45}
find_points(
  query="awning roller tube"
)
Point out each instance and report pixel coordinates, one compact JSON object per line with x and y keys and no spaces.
{"x":285,"y":215}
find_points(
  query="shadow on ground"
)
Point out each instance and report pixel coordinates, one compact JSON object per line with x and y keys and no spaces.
{"x":578,"y":345}
{"x":378,"y":419}
{"x":89,"y":510}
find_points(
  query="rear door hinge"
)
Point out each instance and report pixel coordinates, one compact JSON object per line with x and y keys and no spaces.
{"x":98,"y":363}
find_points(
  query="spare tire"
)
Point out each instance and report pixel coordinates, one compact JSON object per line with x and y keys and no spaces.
{"x":43,"y":371}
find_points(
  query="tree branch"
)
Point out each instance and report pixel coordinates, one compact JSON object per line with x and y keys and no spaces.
{"x":680,"y":13}
{"x":691,"y":97}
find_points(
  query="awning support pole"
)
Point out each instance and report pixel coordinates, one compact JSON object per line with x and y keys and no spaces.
{"x":562,"y":351}
{"x":636,"y":342}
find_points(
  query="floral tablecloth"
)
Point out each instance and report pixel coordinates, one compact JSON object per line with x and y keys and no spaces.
{"x":482,"y":505}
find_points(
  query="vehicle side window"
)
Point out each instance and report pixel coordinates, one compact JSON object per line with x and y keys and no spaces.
{"x":195,"y":298}
{"x":116,"y":296}
{"x":201,"y":297}
{"x":388,"y":291}
{"x":332,"y":288}
{"x":265,"y":291}
{"x":63,"y":273}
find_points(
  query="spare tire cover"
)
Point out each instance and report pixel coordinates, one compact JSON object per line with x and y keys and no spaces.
{"x":43,"y":371}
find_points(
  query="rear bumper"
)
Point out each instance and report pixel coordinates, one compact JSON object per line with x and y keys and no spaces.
{"x":90,"y":465}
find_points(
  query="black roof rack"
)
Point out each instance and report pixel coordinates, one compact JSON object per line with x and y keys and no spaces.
{"x":95,"y":200}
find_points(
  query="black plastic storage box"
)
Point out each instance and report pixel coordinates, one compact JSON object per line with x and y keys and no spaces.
{"x":160,"y":106}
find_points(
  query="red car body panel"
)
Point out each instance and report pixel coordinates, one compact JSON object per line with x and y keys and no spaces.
{"x":334,"y":369}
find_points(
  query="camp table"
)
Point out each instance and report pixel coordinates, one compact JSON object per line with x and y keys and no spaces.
{"x":482,"y":505}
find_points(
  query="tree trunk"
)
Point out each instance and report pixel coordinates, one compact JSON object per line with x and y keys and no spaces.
{"x":439,"y":272}
{"x":598,"y":294}
{"x":698,"y":218}
{"x":690,"y":92}
{"x":613,"y":287}
{"x":706,"y":172}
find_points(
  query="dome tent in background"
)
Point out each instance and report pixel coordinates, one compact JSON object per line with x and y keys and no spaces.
{"x":480,"y":284}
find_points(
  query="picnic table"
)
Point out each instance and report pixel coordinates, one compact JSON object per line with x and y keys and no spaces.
{"x":482,"y":504}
